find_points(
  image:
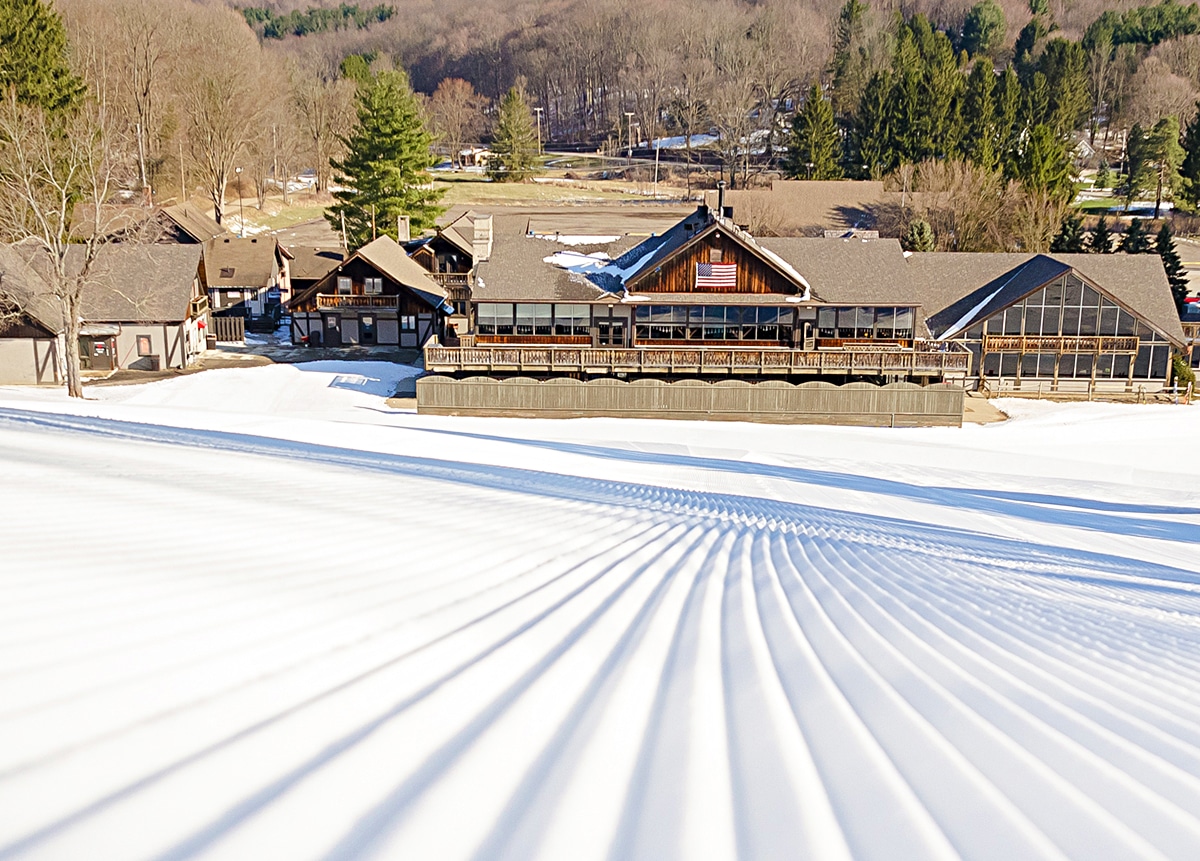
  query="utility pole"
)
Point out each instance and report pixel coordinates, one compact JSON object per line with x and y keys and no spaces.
{"x":182,"y":180}
{"x":241,"y":212}
{"x":538,"y":111}
{"x":629,"y":117}
{"x":657,"y":147}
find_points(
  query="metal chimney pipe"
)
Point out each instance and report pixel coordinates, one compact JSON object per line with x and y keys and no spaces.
{"x":720,"y":197}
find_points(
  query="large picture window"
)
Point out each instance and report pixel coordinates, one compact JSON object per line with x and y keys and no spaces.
{"x":711,"y":323}
{"x":533,"y":319}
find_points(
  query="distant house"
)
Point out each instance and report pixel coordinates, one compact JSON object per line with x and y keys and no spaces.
{"x":246,"y":277}
{"x":30,"y":345}
{"x":172,"y":225}
{"x":145,"y":310}
{"x":377,"y":297}
{"x":186,"y":224}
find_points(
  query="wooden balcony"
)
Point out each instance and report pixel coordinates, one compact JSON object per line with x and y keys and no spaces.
{"x":702,"y":360}
{"x":335,"y":301}
{"x":456,"y":284}
{"x":1064,"y":344}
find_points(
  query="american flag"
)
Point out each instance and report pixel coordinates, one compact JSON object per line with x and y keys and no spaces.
{"x":716,"y":276}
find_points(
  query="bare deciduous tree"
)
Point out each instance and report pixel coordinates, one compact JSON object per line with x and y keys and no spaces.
{"x":456,"y":112}
{"x":324,"y":105}
{"x":222,"y":98}
{"x":53,"y":169}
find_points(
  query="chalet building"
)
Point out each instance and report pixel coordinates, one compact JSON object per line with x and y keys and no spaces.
{"x":707,"y":301}
{"x":377,"y":297}
{"x":451,"y":254}
{"x":246,"y":277}
{"x":145,"y":310}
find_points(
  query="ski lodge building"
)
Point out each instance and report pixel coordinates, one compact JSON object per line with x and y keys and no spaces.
{"x":705,"y":303}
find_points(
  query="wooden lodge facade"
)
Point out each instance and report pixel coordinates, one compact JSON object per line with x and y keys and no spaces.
{"x":378,"y":296}
{"x":707,"y":301}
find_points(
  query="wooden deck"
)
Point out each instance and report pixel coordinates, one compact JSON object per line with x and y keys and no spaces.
{"x":332,"y":301}
{"x":658,"y":360}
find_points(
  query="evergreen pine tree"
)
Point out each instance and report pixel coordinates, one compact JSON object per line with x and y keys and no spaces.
{"x":1100,"y":238}
{"x":384,"y":171}
{"x":1189,"y":170}
{"x":1008,"y":130}
{"x":1164,"y":244}
{"x":919,"y":237}
{"x":814,"y":148}
{"x":983,"y":29}
{"x":1136,"y":240}
{"x":33,"y":55}
{"x":1069,"y":239}
{"x":514,"y":140}
{"x":872,"y":151}
{"x":1045,"y":164}
{"x":979,"y":117}
{"x":1103,"y":175}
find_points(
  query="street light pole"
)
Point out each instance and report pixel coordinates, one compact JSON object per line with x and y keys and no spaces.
{"x":538,"y":111}
{"x":629,"y":117}
{"x":241,"y":212}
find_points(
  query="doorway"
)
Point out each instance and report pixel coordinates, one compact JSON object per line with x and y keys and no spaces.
{"x":332,"y":324}
{"x":366,"y":330}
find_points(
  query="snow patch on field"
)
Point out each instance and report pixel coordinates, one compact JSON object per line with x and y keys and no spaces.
{"x":257,"y":614}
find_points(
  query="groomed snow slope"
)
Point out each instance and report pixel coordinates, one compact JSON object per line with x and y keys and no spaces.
{"x":255,"y":614}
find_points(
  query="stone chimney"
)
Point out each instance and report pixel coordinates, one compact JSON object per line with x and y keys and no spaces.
{"x":481,"y":244}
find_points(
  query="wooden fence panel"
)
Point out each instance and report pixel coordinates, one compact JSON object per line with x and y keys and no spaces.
{"x":906,"y":404}
{"x":229,"y":329}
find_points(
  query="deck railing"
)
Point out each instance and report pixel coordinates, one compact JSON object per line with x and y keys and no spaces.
{"x":1059,"y":344}
{"x":706,"y":360}
{"x":327,"y":301}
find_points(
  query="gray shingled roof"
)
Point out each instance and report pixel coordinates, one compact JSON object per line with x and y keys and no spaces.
{"x":956,"y":283}
{"x":130,"y":283}
{"x":19,"y":281}
{"x":230,"y":261}
{"x":517,"y":271}
{"x":194,"y":223}
{"x":850,"y":270}
{"x":310,"y":263}
{"x":389,"y":257}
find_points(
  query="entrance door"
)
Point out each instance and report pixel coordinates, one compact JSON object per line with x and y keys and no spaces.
{"x":366,"y":330}
{"x":333,"y":330}
{"x":95,"y":354}
{"x":611,"y":332}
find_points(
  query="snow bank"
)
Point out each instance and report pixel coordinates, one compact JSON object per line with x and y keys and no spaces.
{"x":283,"y":621}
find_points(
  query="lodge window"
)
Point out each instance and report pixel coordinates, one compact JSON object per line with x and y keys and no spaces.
{"x":533,"y":319}
{"x":715,"y":255}
{"x":711,"y":323}
{"x":144,"y":347}
{"x":344,"y":286}
{"x":865,"y":323}
{"x":372,"y":286}
{"x":408,"y":323}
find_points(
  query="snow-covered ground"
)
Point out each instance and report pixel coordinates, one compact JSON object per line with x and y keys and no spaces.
{"x":257,"y":613}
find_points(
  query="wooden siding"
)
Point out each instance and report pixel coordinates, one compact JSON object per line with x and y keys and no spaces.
{"x":356,"y":270}
{"x":678,"y":274}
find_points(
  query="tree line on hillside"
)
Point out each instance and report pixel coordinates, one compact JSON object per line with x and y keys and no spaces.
{"x":316,"y":19}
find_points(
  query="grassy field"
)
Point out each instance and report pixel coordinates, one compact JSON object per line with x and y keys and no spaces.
{"x":477,"y":190}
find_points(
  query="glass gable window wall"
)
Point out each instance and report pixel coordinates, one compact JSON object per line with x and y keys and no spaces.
{"x":711,"y":323}
{"x":1069,"y":308}
{"x":533,"y":319}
